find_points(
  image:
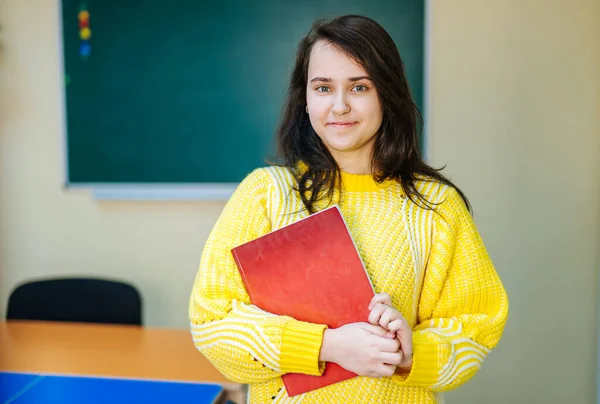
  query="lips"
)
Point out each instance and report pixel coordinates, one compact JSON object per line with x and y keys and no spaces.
{"x":341,"y":124}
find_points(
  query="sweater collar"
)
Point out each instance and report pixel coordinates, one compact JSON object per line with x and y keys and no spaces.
{"x":358,"y":182}
{"x":362,"y":183}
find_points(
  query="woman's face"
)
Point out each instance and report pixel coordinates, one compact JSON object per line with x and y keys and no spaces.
{"x":343,"y":105}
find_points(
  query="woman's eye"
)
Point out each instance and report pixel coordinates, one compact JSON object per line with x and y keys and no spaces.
{"x":360,"y":87}
{"x":323,"y":89}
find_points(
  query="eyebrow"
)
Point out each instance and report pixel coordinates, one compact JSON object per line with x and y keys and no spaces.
{"x":328,"y":80}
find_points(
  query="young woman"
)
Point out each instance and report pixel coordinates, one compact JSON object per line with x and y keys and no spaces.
{"x":348,"y":136}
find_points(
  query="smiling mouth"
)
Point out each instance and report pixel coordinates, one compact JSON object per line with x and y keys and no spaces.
{"x":341,"y":124}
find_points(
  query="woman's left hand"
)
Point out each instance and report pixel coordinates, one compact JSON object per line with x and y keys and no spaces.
{"x":386,"y":316}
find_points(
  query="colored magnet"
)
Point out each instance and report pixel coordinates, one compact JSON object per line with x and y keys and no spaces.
{"x":85,"y":33}
{"x":85,"y":49}
{"x":84,"y":15}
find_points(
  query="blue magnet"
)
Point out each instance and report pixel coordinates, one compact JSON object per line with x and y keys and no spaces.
{"x":85,"y":49}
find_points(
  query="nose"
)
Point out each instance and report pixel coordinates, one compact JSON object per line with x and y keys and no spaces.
{"x":340,"y":104}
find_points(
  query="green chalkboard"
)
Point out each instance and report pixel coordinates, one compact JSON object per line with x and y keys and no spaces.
{"x":190,"y":91}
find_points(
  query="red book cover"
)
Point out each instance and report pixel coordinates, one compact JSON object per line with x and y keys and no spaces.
{"x":309,"y":270}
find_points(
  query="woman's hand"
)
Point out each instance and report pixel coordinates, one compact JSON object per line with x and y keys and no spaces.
{"x":386,"y":316}
{"x":361,"y":348}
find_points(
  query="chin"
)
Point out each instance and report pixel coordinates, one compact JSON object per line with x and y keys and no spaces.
{"x":342,"y":147}
{"x":337,"y":142}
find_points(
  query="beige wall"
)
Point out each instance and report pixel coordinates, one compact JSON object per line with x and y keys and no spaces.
{"x":515,"y":99}
{"x":515,"y":113}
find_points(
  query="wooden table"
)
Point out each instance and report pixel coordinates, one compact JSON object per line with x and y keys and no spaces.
{"x":106,"y":350}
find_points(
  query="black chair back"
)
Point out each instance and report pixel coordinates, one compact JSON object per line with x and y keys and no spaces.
{"x":76,"y":300}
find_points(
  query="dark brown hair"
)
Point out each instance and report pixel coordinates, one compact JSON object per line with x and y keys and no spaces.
{"x":396,"y":152}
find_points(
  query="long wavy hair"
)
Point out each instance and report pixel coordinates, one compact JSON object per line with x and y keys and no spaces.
{"x":396,"y":152}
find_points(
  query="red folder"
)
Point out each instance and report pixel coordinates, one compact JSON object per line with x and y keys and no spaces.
{"x":309,"y":270}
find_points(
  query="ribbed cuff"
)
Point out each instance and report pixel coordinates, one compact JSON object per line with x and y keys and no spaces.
{"x":428,"y":355}
{"x":300,"y":348}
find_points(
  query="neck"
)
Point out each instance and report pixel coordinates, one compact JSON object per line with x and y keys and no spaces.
{"x":353,"y":162}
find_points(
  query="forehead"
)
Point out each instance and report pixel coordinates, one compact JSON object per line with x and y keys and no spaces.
{"x":327,"y":60}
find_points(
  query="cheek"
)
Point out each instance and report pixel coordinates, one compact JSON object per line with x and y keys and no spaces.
{"x":370,"y":111}
{"x":318,"y":108}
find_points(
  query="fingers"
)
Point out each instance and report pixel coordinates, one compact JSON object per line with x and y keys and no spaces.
{"x":383,"y":298}
{"x":375,"y":330}
{"x":386,"y":370}
{"x":389,"y":314}
{"x":395,"y":325}
{"x":405,"y":339}
{"x":376,"y":313}
{"x":404,"y":335}
{"x":389,"y":345}
{"x":392,"y":358}
{"x":384,"y":315}
{"x":390,"y":334}
{"x":383,"y":370}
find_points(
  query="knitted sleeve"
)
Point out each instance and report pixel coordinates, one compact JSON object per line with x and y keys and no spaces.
{"x":244,"y":342}
{"x":463,"y":305}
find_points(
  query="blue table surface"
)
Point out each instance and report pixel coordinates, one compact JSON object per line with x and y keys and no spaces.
{"x":26,"y":388}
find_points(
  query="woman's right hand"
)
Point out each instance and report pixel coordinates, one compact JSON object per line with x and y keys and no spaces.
{"x":362,"y":348}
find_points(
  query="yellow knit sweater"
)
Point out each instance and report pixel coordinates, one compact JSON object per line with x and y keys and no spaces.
{"x":433,"y":264}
